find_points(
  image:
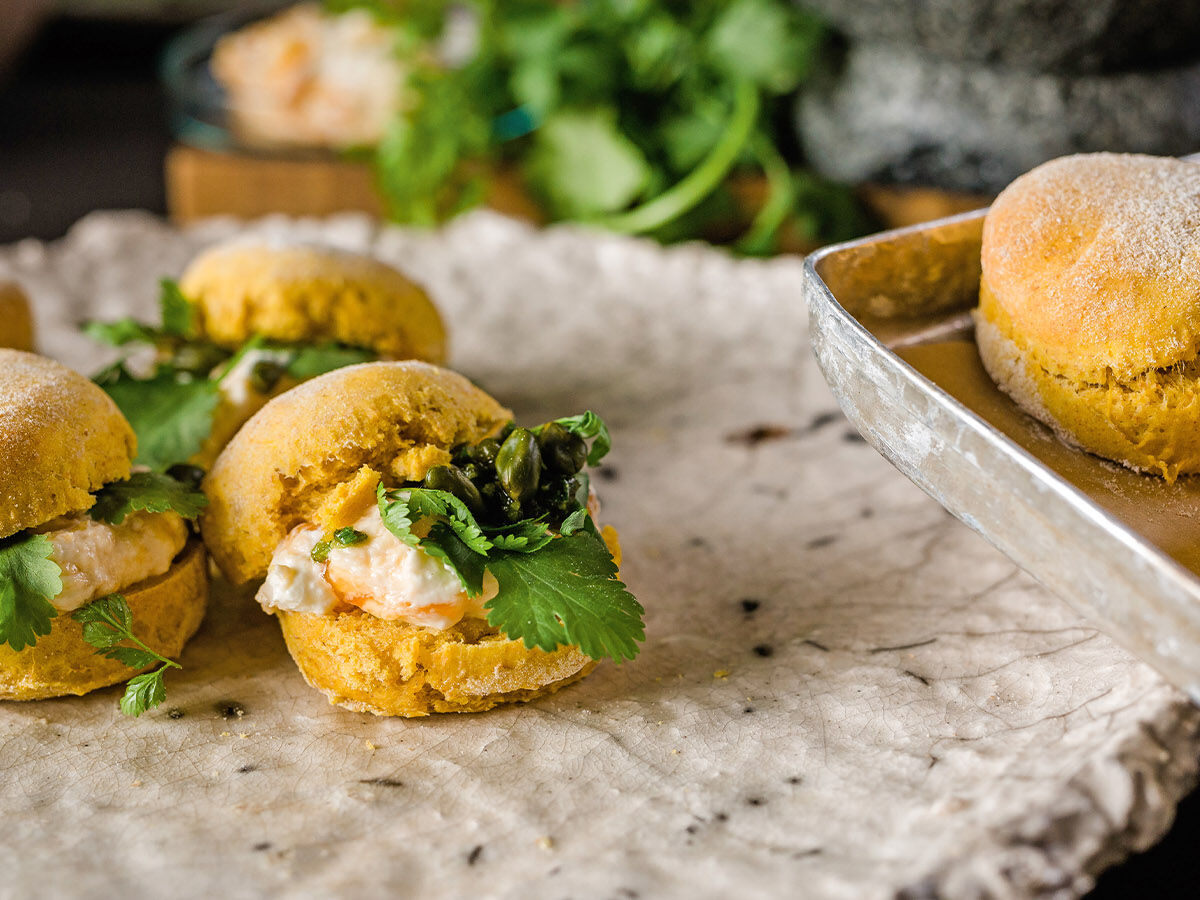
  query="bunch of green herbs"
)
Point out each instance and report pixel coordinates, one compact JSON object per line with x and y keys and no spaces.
{"x":628,"y":114}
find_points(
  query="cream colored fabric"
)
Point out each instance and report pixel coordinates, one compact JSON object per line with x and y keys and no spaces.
{"x":843,"y":691}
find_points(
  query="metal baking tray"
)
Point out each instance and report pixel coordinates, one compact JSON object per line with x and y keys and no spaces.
{"x":892,"y":331}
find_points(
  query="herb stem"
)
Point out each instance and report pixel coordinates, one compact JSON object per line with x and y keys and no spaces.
{"x":781,"y":195}
{"x":127,"y":634}
{"x":702,"y":180}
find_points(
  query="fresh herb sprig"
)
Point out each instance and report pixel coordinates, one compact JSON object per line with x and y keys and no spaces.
{"x":636,"y":116}
{"x":108,"y":626}
{"x":557,"y":579}
{"x":173,"y":408}
{"x":149,"y":492}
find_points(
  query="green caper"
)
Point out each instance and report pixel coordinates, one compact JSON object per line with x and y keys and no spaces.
{"x":563,"y":451}
{"x":510,"y":509}
{"x":472,"y":471}
{"x":188,"y":474}
{"x":265,"y":375}
{"x":198,"y":358}
{"x":452,"y":480}
{"x":484,"y":453}
{"x":519,"y":464}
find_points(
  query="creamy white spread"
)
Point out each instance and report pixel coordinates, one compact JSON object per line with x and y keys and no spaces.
{"x":238,"y":396}
{"x":382,"y":576}
{"x":98,"y":559}
{"x":238,"y":402}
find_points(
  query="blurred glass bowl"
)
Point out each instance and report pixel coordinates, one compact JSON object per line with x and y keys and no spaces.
{"x":198,"y":106}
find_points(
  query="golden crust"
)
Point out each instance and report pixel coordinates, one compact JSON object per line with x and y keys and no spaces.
{"x":16,"y":321}
{"x":392,"y":669}
{"x":395,"y":417}
{"x":167,"y":610}
{"x":61,"y":438}
{"x":1093,"y":264}
{"x":306,"y":293}
{"x":1150,"y":423}
{"x":1087,"y":305}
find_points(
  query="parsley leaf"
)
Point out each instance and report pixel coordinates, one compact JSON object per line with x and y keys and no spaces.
{"x":443,"y":543}
{"x":566,"y":593}
{"x":573,"y":142}
{"x":455,"y":537}
{"x":309,"y":362}
{"x":574,"y":522}
{"x":526,"y":536}
{"x":121,"y":332}
{"x":178,"y":313}
{"x":396,"y":515}
{"x":28,"y":580}
{"x":143,"y":692}
{"x":149,"y":491}
{"x":589,"y":425}
{"x":171,"y":416}
{"x":107,"y":622}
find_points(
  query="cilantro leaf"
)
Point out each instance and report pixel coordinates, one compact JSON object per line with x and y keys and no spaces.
{"x":526,"y":536}
{"x":460,"y":520}
{"x":574,"y":522}
{"x":149,"y":491}
{"x":566,"y":593}
{"x":143,"y":692}
{"x":309,"y":362}
{"x":764,"y":42}
{"x":171,"y":416}
{"x":396,"y":515}
{"x":28,"y":581}
{"x":133,"y":657}
{"x":455,"y":537}
{"x":585,"y":165}
{"x":107,"y":622}
{"x":589,"y":425}
{"x":426,"y":503}
{"x":111,"y":612}
{"x":178,"y":313}
{"x":121,"y":332}
{"x":443,"y":543}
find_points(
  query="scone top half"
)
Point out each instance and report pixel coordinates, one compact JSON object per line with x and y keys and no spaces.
{"x":332,"y":493}
{"x":296,"y":293}
{"x":73,"y":528}
{"x":293,"y":462}
{"x":1089,"y":312}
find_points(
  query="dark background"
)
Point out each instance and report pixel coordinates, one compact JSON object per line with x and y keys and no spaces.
{"x":83,"y":126}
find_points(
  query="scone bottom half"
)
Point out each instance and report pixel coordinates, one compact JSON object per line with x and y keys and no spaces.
{"x":304,"y":497}
{"x":167,"y":610}
{"x":366,"y":664}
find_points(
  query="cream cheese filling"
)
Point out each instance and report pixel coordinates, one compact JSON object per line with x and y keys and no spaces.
{"x":382,"y":576}
{"x":97,"y":559}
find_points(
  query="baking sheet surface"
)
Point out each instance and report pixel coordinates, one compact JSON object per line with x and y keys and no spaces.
{"x":843,"y":690}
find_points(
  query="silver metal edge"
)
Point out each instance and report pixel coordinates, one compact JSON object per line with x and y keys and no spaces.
{"x":1102,"y":568}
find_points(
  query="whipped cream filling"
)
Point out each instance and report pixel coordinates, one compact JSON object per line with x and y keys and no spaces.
{"x":97,"y":559}
{"x":382,"y":576}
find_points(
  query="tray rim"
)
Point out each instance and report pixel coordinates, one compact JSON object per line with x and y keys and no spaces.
{"x":1172,"y":572}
